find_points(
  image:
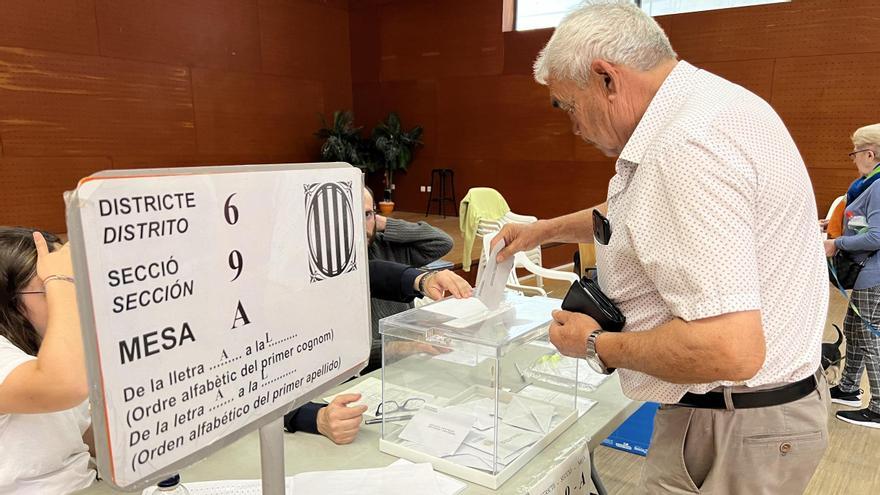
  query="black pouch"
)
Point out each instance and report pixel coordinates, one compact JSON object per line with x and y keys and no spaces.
{"x":847,"y":269}
{"x":586,"y":297}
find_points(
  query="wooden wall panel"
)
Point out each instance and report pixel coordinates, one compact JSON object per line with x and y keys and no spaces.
{"x":822,"y":101}
{"x":798,"y":28}
{"x":365,"y":45}
{"x":504,"y":117}
{"x":416,"y":43}
{"x":33,"y":187}
{"x":521,"y":48}
{"x":244,"y":113}
{"x":59,"y":25}
{"x":124,"y":162}
{"x":409,"y":38}
{"x":61,"y":104}
{"x":322,"y":35}
{"x":112,"y":82}
{"x":204,"y":33}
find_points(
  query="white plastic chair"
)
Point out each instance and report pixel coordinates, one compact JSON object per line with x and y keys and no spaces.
{"x":522,"y":260}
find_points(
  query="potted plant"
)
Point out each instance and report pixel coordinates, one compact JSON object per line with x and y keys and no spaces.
{"x":343,"y":142}
{"x":394,"y":151}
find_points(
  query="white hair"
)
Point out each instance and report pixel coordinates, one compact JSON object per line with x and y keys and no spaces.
{"x":617,"y":31}
{"x":867,"y":136}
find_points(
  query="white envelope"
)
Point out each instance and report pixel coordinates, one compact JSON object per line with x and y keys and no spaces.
{"x":493,"y":278}
{"x":529,"y":415}
{"x":438,"y":432}
{"x":482,"y":409}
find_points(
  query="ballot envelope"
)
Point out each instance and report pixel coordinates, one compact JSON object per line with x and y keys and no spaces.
{"x":457,"y":391}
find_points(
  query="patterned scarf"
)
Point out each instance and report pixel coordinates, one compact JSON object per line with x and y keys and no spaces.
{"x":861,"y":184}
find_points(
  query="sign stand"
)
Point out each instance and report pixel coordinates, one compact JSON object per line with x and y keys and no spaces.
{"x":272,"y":457}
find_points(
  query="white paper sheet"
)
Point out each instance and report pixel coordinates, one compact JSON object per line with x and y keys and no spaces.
{"x":447,"y":484}
{"x":492,"y":278}
{"x":439,"y":432}
{"x":398,"y":478}
{"x":391,"y":480}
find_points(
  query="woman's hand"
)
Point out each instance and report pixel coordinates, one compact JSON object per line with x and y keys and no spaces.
{"x":57,"y":262}
{"x":830,"y":248}
{"x":823,"y":225}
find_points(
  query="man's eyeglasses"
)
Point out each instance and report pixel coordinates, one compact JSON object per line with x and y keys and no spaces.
{"x":854,"y":153}
{"x":391,"y":406}
{"x":369,"y":214}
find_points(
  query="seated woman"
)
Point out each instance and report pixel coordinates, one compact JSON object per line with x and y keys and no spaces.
{"x":44,"y":421}
{"x":390,"y":281}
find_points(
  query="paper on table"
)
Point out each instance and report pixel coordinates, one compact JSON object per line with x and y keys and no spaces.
{"x":391,"y":480}
{"x":493,"y":278}
{"x":438,"y":431}
{"x":397,"y":479}
{"x":447,"y":484}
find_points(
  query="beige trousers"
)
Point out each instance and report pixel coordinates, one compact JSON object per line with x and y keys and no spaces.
{"x":771,"y":450}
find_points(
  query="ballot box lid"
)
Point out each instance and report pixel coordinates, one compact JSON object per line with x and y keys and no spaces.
{"x":519,"y":319}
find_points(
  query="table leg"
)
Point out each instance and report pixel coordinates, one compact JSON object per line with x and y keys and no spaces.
{"x":594,"y":475}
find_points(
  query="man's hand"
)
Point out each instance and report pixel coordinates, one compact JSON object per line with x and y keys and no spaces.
{"x":823,"y":225}
{"x":381,"y":222}
{"x":437,"y":284}
{"x":518,"y":237}
{"x":341,"y":423}
{"x":569,"y":332}
{"x":830,"y":248}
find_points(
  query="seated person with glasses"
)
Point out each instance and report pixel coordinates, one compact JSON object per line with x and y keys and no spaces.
{"x":45,"y":429}
{"x":390,"y":281}
{"x":413,"y":244}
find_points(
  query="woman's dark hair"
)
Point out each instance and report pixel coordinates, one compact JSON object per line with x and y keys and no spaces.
{"x":18,"y":265}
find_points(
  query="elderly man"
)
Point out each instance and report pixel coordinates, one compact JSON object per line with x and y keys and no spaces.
{"x":708,"y":244}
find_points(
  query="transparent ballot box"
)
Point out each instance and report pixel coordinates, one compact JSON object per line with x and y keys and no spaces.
{"x":474,"y":392}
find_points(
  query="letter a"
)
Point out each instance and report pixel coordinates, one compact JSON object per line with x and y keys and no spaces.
{"x":240,"y":315}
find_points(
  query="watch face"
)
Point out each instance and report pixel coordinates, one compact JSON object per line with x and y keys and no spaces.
{"x":595,"y":365}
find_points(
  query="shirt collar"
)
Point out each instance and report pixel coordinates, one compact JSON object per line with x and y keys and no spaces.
{"x":660,"y":110}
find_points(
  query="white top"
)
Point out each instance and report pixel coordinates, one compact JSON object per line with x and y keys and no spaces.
{"x":712,"y":212}
{"x":41,"y":453}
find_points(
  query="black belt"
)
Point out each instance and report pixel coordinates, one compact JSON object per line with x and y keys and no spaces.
{"x":746,"y":400}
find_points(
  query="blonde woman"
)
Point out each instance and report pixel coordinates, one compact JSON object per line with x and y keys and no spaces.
{"x":861,"y":237}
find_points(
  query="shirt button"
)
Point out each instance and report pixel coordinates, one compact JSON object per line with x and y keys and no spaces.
{"x":785,"y":448}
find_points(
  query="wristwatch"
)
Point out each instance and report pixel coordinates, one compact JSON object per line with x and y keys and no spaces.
{"x":593,"y":358}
